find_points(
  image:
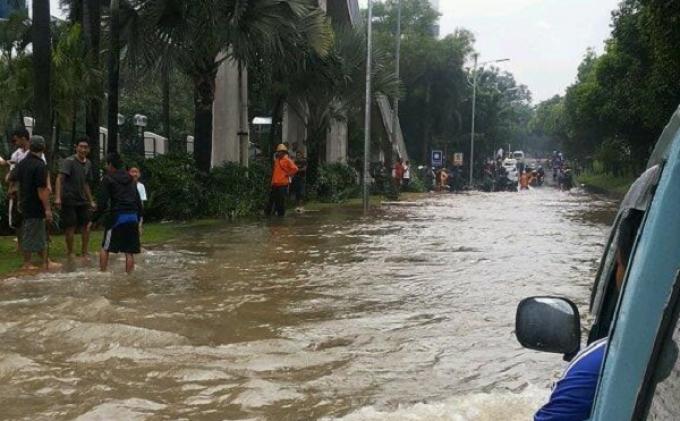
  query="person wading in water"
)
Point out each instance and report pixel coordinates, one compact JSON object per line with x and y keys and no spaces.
{"x":284,"y":169}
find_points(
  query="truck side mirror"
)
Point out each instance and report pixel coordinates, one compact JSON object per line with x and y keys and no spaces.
{"x":548,"y":324}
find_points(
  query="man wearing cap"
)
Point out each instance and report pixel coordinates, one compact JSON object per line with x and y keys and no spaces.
{"x":31,"y":174}
{"x":284,"y":169}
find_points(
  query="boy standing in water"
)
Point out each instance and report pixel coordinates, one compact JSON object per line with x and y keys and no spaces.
{"x":136,"y":174}
{"x":121,"y":198}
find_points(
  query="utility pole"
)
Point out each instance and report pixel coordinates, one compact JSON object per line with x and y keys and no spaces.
{"x":369,"y":101}
{"x":472,"y":129}
{"x":395,"y":111}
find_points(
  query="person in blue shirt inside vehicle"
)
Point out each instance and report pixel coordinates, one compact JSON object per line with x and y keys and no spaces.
{"x":573,"y":395}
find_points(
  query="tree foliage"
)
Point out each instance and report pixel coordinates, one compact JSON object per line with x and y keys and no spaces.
{"x":622,"y":99}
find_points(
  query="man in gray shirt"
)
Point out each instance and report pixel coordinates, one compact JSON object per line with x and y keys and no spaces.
{"x":74,"y":197}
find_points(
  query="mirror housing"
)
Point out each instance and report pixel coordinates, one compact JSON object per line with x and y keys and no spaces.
{"x":549,"y":324}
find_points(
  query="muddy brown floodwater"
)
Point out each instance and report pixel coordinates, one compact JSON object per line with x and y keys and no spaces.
{"x":406,"y":314}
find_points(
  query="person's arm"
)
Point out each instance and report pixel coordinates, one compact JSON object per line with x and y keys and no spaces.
{"x":44,"y":195}
{"x":140,"y":213}
{"x":57,"y":190}
{"x":289,"y":167}
{"x":88,"y":195}
{"x":13,"y":175}
{"x":90,"y":179}
{"x":64,"y":170}
{"x":43,"y":191}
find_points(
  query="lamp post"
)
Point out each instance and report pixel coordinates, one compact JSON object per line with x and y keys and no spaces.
{"x":474,"y":109}
{"x":367,"y":122}
{"x":140,"y":121}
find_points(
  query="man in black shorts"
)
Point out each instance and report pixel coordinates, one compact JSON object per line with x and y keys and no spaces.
{"x":74,"y":197}
{"x":120,"y":197}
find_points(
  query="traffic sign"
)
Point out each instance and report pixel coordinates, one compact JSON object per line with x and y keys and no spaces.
{"x":457,"y":159}
{"x":437,"y":158}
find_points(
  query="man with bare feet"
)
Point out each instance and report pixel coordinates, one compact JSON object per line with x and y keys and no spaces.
{"x":34,"y":193}
{"x":74,"y":197}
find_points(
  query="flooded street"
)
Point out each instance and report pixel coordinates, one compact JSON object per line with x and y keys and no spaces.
{"x":406,"y":314}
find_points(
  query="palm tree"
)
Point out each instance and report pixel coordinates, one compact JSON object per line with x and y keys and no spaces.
{"x":92,"y":22}
{"x":75,"y":79}
{"x":333,"y":87}
{"x":16,"y":70}
{"x":42,"y":68}
{"x":200,"y":36}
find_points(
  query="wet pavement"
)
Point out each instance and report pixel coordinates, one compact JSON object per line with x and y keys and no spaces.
{"x":405,"y":314}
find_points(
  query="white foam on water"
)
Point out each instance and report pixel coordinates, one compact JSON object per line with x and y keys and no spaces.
{"x":504,"y":406}
{"x":129,"y":409}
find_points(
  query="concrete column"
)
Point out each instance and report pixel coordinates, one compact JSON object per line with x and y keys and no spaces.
{"x":295,"y":126}
{"x":230,"y":116}
{"x":336,"y":142}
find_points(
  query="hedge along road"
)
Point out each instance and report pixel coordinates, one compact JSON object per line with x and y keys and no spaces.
{"x":408,"y":313}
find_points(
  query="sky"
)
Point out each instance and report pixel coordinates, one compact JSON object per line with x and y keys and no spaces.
{"x":545,"y":40}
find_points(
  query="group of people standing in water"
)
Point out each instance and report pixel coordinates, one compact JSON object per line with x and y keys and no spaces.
{"x":119,"y":206}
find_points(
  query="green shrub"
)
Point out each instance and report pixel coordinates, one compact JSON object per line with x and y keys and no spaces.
{"x":336,"y":183}
{"x":173,"y":188}
{"x":234,"y":190}
{"x":416,"y":185}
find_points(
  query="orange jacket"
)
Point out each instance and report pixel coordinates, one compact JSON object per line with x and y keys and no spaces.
{"x":284,"y":168}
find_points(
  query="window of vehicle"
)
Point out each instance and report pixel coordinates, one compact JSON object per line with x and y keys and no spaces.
{"x":605,"y":295}
{"x":659,"y":396}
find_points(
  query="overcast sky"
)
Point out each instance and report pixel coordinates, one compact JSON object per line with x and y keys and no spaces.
{"x":545,"y":39}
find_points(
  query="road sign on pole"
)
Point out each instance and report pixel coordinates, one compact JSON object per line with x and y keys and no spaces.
{"x":457,"y":159}
{"x":437,"y":158}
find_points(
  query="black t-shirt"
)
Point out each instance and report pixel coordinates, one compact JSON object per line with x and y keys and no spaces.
{"x":31,"y":173}
{"x":76,"y":175}
{"x":302,"y":167}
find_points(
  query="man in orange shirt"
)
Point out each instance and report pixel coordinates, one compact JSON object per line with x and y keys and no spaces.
{"x":284,"y":169}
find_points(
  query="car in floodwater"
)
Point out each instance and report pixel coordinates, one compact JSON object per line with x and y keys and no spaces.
{"x":640,"y":377}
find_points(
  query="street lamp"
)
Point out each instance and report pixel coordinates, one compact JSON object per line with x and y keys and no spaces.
{"x":367,"y":121}
{"x":474,"y":108}
{"x":140,"y":121}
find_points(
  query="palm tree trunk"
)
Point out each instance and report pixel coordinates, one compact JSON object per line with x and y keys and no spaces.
{"x":74,"y":125}
{"x":42,"y":68}
{"x":92,"y":16}
{"x":204,"y":96}
{"x":166,"y":102}
{"x":114,"y":76}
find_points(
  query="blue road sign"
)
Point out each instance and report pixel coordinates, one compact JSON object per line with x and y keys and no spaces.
{"x":437,"y":158}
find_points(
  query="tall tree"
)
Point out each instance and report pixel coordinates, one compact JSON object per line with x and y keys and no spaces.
{"x":113,"y":74}
{"x":202,"y":35}
{"x":42,"y":69}
{"x":92,"y":22}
